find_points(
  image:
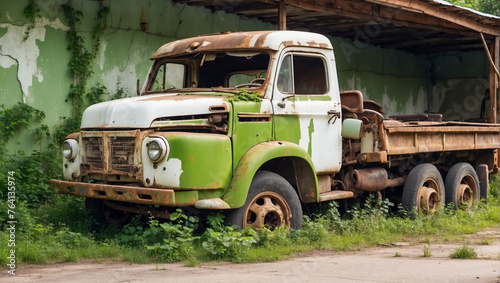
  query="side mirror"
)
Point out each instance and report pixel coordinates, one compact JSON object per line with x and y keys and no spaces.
{"x":351,"y":128}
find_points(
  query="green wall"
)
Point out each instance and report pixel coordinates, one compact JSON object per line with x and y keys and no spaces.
{"x":395,"y":79}
{"x":459,"y":82}
{"x":36,"y":70}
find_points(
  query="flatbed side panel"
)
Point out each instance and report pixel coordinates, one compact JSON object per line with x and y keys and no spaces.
{"x":410,"y":140}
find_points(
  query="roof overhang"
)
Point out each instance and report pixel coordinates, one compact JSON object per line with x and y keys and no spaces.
{"x":416,"y":26}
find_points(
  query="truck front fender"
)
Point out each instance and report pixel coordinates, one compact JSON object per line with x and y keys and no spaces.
{"x":260,"y":154}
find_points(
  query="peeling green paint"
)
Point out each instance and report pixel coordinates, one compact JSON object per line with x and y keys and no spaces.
{"x":311,"y":130}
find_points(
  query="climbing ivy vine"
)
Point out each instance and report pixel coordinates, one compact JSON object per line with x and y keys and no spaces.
{"x":81,"y":59}
{"x":80,"y":66}
{"x":30,"y":12}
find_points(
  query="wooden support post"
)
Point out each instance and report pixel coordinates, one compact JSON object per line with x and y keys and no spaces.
{"x":494,"y":79}
{"x":497,"y":79}
{"x":282,"y":15}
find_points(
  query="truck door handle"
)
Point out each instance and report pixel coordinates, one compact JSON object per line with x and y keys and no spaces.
{"x":335,"y":114}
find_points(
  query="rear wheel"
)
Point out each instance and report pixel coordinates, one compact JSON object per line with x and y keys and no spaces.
{"x":424,"y":189}
{"x":271,"y":202}
{"x":462,"y":186}
{"x":104,"y":215}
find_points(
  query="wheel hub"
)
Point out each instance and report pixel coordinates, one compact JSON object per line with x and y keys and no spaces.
{"x":428,"y":199}
{"x":268,"y":209}
{"x":465,"y":195}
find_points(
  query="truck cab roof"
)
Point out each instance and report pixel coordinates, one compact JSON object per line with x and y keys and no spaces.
{"x":264,"y":40}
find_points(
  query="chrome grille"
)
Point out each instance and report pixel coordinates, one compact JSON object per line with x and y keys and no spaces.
{"x":94,"y":152}
{"x":122,"y":153}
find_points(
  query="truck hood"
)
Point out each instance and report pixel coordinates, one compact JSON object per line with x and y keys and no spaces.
{"x":140,"y":112}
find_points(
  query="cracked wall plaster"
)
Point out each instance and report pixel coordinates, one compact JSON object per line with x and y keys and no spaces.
{"x":15,"y":50}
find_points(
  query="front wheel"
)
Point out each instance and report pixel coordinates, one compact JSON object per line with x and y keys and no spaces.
{"x":105,"y":215}
{"x":271,"y":202}
{"x":424,"y":189}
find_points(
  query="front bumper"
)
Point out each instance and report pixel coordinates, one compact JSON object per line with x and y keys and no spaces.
{"x":131,"y":194}
{"x":140,"y":195}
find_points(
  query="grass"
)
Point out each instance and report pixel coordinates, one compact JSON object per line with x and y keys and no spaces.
{"x":464,"y":252}
{"x":60,"y":232}
{"x":427,"y":251}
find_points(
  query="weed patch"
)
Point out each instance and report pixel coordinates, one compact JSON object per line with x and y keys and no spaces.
{"x":60,"y":230}
{"x":464,"y":252}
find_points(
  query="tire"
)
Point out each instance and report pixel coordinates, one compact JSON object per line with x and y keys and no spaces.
{"x":104,"y":215}
{"x":424,"y":189}
{"x":271,"y":202}
{"x":462,"y":186}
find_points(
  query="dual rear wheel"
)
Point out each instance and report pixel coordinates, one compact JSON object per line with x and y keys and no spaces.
{"x":425,"y":190}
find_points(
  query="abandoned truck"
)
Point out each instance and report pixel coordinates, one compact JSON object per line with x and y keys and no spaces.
{"x":254,"y":124}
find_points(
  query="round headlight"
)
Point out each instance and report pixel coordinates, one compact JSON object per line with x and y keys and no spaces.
{"x":70,"y":149}
{"x":157,"y":149}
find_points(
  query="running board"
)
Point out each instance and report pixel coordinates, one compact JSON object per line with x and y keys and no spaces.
{"x":333,"y":195}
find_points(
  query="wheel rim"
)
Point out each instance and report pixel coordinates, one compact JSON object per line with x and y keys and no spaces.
{"x":428,"y":197}
{"x":467,"y":192}
{"x":267,"y":209}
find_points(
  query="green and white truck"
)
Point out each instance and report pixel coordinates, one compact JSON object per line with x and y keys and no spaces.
{"x":254,"y":124}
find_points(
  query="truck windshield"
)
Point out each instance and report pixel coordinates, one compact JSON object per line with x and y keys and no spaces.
{"x":226,"y":70}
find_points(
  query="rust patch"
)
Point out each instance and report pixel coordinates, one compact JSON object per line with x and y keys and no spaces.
{"x":133,"y":194}
{"x":74,"y":136}
{"x":226,"y":41}
{"x":316,"y":44}
{"x":176,"y":97}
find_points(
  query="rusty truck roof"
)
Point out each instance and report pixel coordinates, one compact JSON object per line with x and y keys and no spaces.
{"x":265,"y":40}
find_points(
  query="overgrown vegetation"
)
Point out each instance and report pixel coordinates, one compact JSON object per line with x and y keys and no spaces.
{"x":46,"y":220}
{"x":60,"y":230}
{"x":30,"y":12}
{"x":487,"y":6}
{"x":80,"y":66}
{"x":244,"y":95}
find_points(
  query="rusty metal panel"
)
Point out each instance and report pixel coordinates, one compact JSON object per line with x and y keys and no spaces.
{"x":93,"y":148}
{"x":400,"y":143}
{"x":131,"y":194}
{"x":112,"y":152}
{"x":429,"y":142}
{"x":372,"y":157}
{"x":122,"y":154}
{"x":459,"y":141}
{"x":486,"y":141}
{"x":405,"y":138}
{"x":264,"y":40}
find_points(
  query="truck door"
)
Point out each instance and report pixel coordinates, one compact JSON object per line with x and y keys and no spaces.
{"x":307,"y":107}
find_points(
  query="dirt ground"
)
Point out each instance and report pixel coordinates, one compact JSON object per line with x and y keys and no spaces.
{"x":403,"y":262}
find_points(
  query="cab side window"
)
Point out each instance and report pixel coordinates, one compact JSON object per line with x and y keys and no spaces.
{"x":302,"y":75}
{"x":169,"y":76}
